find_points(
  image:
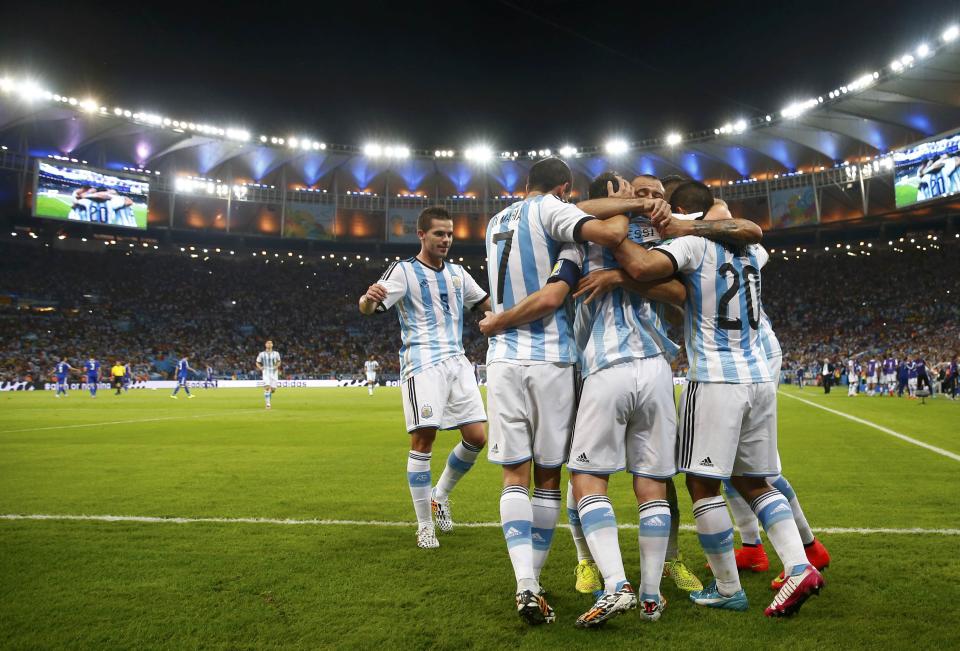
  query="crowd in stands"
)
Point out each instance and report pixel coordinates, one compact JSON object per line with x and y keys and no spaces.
{"x":149,"y":309}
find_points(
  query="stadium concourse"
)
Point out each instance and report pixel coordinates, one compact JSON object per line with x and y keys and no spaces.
{"x":149,"y":307}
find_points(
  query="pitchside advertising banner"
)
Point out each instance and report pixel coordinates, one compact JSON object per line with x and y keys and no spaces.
{"x":312,"y":221}
{"x":793,"y":207}
{"x":402,"y":224}
{"x":930,"y":170}
{"x":84,"y":195}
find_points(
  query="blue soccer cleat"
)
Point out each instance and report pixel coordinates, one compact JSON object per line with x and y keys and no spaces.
{"x":711,"y":598}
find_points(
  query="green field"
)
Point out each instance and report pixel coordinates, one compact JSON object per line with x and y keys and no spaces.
{"x":58,"y":207}
{"x":338,"y":454}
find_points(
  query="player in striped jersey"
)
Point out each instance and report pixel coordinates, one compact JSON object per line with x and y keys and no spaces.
{"x":752,"y":555}
{"x":439,"y":387}
{"x":531,"y":380}
{"x":268,"y":363}
{"x":370,"y":367}
{"x":728,"y":407}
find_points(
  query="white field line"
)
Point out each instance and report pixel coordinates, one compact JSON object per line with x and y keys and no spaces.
{"x":885,"y":430}
{"x":387,"y":523}
{"x":116,"y":422}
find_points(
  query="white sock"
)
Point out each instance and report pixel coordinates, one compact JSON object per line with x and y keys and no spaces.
{"x":460,"y":461}
{"x":743,"y":515}
{"x":806,"y":534}
{"x":516,"y":518}
{"x":654,"y":535}
{"x":573,"y":517}
{"x":418,"y":477}
{"x":600,"y":527}
{"x":715,"y":531}
{"x":370,"y":389}
{"x":266,"y":396}
{"x":545,"y":506}
{"x":775,"y":515}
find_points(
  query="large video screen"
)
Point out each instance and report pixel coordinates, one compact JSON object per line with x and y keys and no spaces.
{"x":83,"y":195}
{"x":930,"y":170}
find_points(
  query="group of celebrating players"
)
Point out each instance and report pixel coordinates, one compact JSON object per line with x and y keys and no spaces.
{"x":578,"y":374}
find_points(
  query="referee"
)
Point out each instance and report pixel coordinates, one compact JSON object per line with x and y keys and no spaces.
{"x":117,"y":373}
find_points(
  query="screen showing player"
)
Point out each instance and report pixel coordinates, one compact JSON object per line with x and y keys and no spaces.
{"x":84,"y":195}
{"x":927,"y":171}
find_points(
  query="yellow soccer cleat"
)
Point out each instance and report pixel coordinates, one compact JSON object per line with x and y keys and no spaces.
{"x":682,"y":577}
{"x":588,"y":577}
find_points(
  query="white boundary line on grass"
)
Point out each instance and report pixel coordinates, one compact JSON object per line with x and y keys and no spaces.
{"x":386,"y":523}
{"x":885,"y":430}
{"x":117,"y":422}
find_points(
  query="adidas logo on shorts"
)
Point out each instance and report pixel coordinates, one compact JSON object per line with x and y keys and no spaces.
{"x":706,"y":462}
{"x":496,"y":449}
{"x":583,"y":458}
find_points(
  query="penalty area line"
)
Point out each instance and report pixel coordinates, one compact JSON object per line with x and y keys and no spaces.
{"x":388,"y":523}
{"x":885,"y":430}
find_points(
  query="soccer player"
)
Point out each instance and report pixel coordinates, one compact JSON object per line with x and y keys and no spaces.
{"x":371,"y":366}
{"x":268,"y":363}
{"x":183,"y":372}
{"x":439,"y":388}
{"x":873,"y":369}
{"x":208,"y":379}
{"x":853,"y":378}
{"x":531,"y":381}
{"x":127,"y":377}
{"x":889,"y":377}
{"x":800,"y":375}
{"x":62,"y":371}
{"x":117,"y":373}
{"x":912,"y":373}
{"x":92,"y":369}
{"x":728,"y":407}
{"x":752,"y":555}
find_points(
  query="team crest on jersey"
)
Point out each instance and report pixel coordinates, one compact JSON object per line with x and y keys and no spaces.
{"x":457,"y":283}
{"x":424,"y":283}
{"x":426,"y":411}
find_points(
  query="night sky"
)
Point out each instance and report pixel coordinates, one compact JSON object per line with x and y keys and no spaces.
{"x":430,"y":74}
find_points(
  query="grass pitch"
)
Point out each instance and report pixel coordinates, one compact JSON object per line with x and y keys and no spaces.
{"x":338,"y":454}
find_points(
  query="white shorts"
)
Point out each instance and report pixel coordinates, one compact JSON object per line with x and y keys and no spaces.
{"x":532,"y":411}
{"x":627,"y":420}
{"x":912,"y":382}
{"x":372,"y":377}
{"x":443,"y":396}
{"x":728,"y":429}
{"x":889,"y":378}
{"x":270,"y":379}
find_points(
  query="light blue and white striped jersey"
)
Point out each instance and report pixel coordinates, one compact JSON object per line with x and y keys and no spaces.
{"x":523,"y":245}
{"x":269,"y":360}
{"x":768,"y":340}
{"x":621,"y":325}
{"x":430,"y":305}
{"x":722,"y":320}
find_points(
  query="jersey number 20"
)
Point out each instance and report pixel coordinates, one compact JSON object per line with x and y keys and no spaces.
{"x":751,"y":281}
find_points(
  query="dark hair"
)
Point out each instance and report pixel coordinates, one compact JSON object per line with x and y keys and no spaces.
{"x":691,"y":197}
{"x":426,"y":218}
{"x":673,"y":178}
{"x":598,"y":186}
{"x":548,"y":173}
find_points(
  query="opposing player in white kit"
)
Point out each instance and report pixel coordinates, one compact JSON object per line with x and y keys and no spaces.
{"x":728,"y":406}
{"x":370,"y":367}
{"x":268,"y":362}
{"x":531,"y":380}
{"x":439,"y":387}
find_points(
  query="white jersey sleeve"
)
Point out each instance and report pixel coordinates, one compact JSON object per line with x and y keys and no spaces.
{"x":762,"y":255}
{"x":473,"y":293}
{"x":394,"y":280}
{"x":260,"y":358}
{"x":686,"y":252}
{"x":561,"y":220}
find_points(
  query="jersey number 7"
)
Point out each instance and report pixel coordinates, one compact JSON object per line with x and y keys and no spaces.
{"x":507,"y":238}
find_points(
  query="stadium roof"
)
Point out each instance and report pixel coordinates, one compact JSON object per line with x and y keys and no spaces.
{"x":913,"y":99}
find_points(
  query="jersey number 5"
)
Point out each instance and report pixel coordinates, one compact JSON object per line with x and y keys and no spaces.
{"x":507,"y":238}
{"x":751,"y":281}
